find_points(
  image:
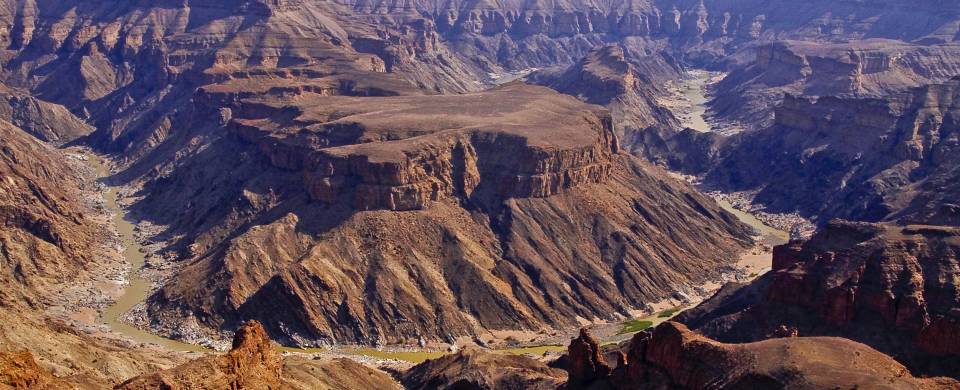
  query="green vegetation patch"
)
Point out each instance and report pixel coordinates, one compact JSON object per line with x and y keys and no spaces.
{"x":634,"y":326}
{"x":668,"y":313}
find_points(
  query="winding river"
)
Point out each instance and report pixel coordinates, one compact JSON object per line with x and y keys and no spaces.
{"x":138,"y":288}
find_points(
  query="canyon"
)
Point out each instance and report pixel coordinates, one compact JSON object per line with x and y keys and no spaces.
{"x":350,"y":194}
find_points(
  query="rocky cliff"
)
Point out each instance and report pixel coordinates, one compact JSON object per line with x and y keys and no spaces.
{"x":492,"y":210}
{"x":868,"y":68}
{"x":891,"y":287}
{"x":522,"y":34}
{"x":252,"y":363}
{"x":629,"y":86}
{"x":672,"y":356}
{"x":437,"y":147}
{"x":868,"y":159}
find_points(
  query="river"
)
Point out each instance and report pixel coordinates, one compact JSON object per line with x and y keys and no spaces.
{"x":137,"y":288}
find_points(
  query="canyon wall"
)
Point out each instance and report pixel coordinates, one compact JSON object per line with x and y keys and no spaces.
{"x":492,"y":210}
{"x":891,"y":287}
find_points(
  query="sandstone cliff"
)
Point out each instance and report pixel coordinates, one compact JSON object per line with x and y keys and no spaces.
{"x":890,"y":287}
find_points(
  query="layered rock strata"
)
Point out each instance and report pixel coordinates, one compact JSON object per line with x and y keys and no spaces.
{"x":536,"y":148}
{"x":392,"y":218}
{"x":672,"y":356}
{"x":870,"y":68}
{"x":865,"y":159}
{"x":891,"y":287}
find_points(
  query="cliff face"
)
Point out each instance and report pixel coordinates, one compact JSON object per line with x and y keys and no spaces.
{"x":506,"y":209}
{"x":522,"y":34}
{"x":889,"y":287}
{"x":45,"y":227}
{"x":854,"y":158}
{"x":869,"y":68}
{"x":672,"y":356}
{"x":541,"y":145}
{"x":628,"y":85}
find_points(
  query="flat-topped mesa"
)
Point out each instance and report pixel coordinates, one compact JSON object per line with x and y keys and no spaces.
{"x":401,"y":153}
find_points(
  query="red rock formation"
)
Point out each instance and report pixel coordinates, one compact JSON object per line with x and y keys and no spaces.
{"x":887,"y":286}
{"x":253,"y":363}
{"x":672,"y":356}
{"x":585,"y":361}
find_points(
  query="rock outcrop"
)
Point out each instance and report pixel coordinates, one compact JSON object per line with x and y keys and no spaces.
{"x":252,"y":363}
{"x":672,"y":356}
{"x":482,"y":370}
{"x":891,"y":287}
{"x":585,"y":361}
{"x":255,"y":363}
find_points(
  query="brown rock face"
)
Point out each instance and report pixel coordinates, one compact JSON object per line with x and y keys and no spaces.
{"x":586,"y":364}
{"x":512,"y":142}
{"x":887,"y":286}
{"x":506,"y":209}
{"x":46,"y":235}
{"x":480,"y":370}
{"x":867,"y":68}
{"x":628,"y":85}
{"x":865,"y":159}
{"x":18,"y":370}
{"x":253,"y":363}
{"x":672,"y":356}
